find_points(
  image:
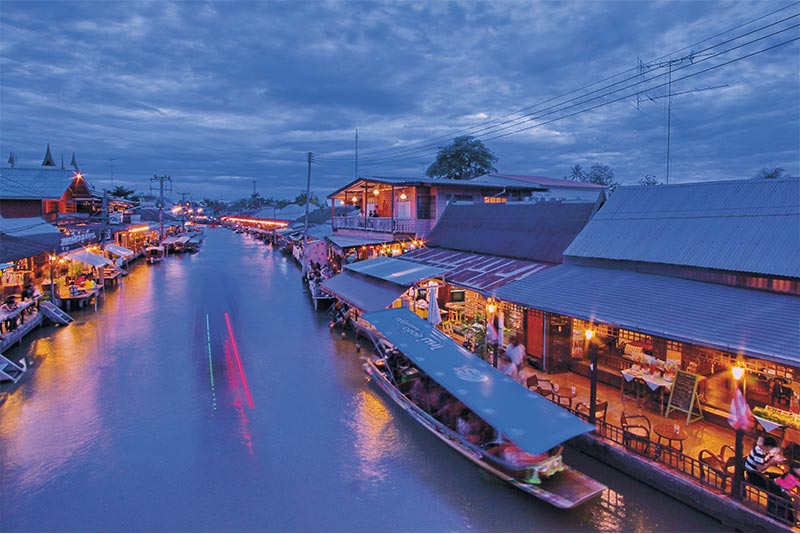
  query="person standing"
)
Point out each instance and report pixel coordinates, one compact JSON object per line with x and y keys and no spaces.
{"x":516,"y":352}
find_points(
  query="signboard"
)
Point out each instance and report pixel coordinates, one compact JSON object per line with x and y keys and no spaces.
{"x":77,"y":238}
{"x":683,"y":397}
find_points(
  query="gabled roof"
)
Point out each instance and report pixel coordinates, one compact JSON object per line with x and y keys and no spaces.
{"x":496,"y":182}
{"x":34,"y":184}
{"x":533,"y":231}
{"x":750,"y":226}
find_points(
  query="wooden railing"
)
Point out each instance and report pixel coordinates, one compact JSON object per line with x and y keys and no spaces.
{"x":376,"y":224}
{"x":754,"y":496}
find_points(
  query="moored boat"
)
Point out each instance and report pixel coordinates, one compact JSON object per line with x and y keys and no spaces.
{"x":513,"y":433}
{"x":154,"y":254}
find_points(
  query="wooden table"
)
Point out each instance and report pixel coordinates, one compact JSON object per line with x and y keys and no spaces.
{"x":80,"y":298}
{"x":666,"y":431}
{"x":565,"y":393}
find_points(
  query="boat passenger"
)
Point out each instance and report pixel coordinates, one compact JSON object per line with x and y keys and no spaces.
{"x":449,"y":412}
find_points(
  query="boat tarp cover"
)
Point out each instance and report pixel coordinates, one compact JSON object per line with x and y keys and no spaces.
{"x":529,"y":420}
{"x":89,"y":258}
{"x":119,"y":250}
{"x":365,"y":293}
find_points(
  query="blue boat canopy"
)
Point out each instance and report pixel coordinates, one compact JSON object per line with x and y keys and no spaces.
{"x":365,"y":293}
{"x":532,"y":422}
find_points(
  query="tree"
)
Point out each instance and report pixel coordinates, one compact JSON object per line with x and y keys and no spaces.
{"x":463,"y":159}
{"x":598,"y":174}
{"x":123,"y":192}
{"x":649,"y":179}
{"x":300,"y":199}
{"x":771,"y":174}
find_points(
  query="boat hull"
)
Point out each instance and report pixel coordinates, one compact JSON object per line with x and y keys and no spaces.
{"x":565,"y":489}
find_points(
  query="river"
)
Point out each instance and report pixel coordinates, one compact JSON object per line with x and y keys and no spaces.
{"x":206,"y":394}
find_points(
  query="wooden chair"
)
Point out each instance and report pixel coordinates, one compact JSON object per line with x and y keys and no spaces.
{"x":717,"y":467}
{"x":541,"y":386}
{"x":600,"y":409}
{"x":636,"y":432}
{"x":446,"y":327}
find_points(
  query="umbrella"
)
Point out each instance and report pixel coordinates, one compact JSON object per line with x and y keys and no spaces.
{"x":434,"y":316}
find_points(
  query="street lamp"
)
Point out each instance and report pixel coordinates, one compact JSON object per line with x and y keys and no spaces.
{"x":736,"y":487}
{"x":592,"y":376}
{"x":491,"y":307}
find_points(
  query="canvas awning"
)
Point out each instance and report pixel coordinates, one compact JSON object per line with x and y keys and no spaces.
{"x":395,"y":270}
{"x":532,"y":422}
{"x":89,"y":258}
{"x":365,"y":293}
{"x":119,"y":250}
{"x":349,"y":241}
{"x":754,"y":323}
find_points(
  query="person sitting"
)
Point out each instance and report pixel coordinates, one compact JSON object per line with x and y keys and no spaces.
{"x":765,"y":454}
{"x":10,"y":306}
{"x":790,"y":481}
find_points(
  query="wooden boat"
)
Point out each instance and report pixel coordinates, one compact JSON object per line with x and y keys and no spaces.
{"x":154,"y":254}
{"x":530,"y":430}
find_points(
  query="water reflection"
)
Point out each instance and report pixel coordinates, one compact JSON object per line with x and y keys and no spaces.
{"x":374,"y":435}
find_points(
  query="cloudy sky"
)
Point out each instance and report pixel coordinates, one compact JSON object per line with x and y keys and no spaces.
{"x":220,"y":94}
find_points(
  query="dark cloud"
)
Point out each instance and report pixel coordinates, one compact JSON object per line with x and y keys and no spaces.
{"x":221,"y":94}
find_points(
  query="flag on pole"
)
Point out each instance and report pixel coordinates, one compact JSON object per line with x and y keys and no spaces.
{"x":740,"y":418}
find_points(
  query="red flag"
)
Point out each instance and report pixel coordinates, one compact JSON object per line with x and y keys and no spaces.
{"x":740,"y":418}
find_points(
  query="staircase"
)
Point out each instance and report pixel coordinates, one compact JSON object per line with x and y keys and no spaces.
{"x":54,"y":313}
{"x":10,"y":370}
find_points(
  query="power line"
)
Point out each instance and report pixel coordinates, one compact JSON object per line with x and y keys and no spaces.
{"x":413,"y":154}
{"x":423,"y":148}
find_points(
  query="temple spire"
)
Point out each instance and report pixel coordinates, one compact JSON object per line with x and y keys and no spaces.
{"x":74,"y":163}
{"x":12,"y":159}
{"x":48,"y":158}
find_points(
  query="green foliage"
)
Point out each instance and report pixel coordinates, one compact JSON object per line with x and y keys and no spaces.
{"x":465,"y":158}
{"x":649,"y":179}
{"x":771,"y":174}
{"x":300,"y":200}
{"x":123,"y":192}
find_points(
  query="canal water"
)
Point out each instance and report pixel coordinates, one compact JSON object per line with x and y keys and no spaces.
{"x":206,"y":394}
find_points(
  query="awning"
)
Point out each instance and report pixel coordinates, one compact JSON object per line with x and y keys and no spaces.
{"x":755,"y":323}
{"x":365,"y":293}
{"x":395,"y":270}
{"x":119,"y":250}
{"x":526,"y":418}
{"x":349,"y":241}
{"x":480,"y":272}
{"x":89,"y":258}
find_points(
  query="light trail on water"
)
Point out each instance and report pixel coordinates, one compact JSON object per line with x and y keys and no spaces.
{"x":211,"y":366}
{"x":238,"y":360}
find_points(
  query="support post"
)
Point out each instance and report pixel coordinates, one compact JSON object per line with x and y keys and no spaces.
{"x":593,"y":382}
{"x":738,"y":473}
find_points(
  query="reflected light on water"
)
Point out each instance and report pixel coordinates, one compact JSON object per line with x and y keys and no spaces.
{"x":43,"y":435}
{"x":235,"y":388}
{"x":375,"y":437}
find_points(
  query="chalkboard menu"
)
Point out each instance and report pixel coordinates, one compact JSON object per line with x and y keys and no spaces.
{"x":683,"y":397}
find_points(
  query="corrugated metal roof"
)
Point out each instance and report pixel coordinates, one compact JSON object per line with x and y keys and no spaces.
{"x":395,"y":270}
{"x":26,"y":226}
{"x":26,"y":184}
{"x":475,"y":271}
{"x":365,"y":293}
{"x":349,"y":241}
{"x":538,"y":231}
{"x":544,"y":181}
{"x":755,"y":323}
{"x":750,"y":226}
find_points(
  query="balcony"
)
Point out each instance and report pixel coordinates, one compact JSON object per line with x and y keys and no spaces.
{"x":385,"y":225}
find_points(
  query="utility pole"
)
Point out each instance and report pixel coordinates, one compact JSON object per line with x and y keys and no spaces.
{"x":356,"y":176}
{"x":646,"y":67}
{"x":310,"y":157}
{"x":164,"y":185}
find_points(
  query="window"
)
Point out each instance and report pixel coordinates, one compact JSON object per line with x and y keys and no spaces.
{"x":426,"y":209}
{"x":458,"y":295}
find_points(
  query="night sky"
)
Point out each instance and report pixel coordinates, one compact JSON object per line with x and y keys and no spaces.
{"x":218,"y":95}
